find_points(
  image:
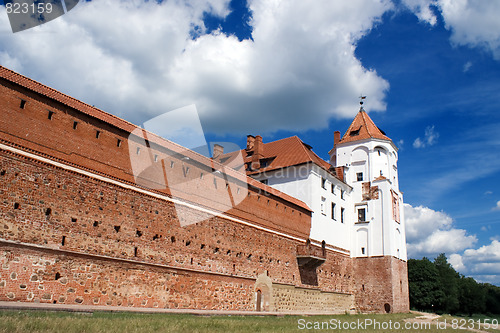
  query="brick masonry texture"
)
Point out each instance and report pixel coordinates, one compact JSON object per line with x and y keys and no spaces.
{"x":70,"y":237}
{"x":381,"y":284}
{"x":74,"y":215}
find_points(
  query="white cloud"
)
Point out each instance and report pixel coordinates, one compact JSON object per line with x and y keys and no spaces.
{"x":430,"y":138}
{"x":429,"y":232}
{"x":422,"y":8}
{"x":400,"y":144}
{"x":456,"y":261}
{"x":137,"y":60}
{"x":482,"y":263}
{"x":467,"y":66}
{"x":472,"y":23}
{"x":497,"y":207}
{"x":418,"y":143}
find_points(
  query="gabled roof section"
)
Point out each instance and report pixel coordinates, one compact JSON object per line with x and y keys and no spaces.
{"x":283,"y":153}
{"x":362,"y":127}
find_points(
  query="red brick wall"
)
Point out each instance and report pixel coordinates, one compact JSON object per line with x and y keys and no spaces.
{"x":87,"y":212}
{"x":30,"y":128}
{"x":381,"y":281}
{"x":400,"y":286}
{"x":51,"y":276}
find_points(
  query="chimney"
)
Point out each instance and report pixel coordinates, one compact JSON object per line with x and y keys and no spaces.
{"x":250,"y":142}
{"x":336,"y":137}
{"x":258,"y":152}
{"x":217,"y":151}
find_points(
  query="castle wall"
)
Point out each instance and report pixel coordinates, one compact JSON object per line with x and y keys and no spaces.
{"x":55,"y":276}
{"x":400,"y":285}
{"x":57,"y":138}
{"x":293,"y":299}
{"x":70,"y":224}
{"x":381,"y":284}
{"x":77,"y":227}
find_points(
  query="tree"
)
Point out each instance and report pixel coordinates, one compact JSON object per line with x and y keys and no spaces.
{"x":438,"y":287}
{"x":492,"y":298}
{"x":449,"y":280}
{"x":424,"y":284}
{"x":472,"y":296}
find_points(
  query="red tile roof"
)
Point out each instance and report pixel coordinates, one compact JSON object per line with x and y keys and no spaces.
{"x":285,"y":153}
{"x":87,"y":109}
{"x":361,"y":128}
{"x":41,"y":89}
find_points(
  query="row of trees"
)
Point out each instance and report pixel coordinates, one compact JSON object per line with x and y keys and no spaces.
{"x":437,"y":287}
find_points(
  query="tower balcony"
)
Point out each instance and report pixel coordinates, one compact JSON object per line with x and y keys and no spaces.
{"x":311,"y":256}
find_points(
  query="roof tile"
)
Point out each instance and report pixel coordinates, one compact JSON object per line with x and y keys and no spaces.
{"x":51,"y":93}
{"x":361,"y":128}
{"x":285,"y":153}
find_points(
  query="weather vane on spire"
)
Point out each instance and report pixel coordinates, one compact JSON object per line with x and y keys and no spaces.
{"x":361,"y":98}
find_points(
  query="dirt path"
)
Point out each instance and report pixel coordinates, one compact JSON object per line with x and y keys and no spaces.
{"x":432,"y":318}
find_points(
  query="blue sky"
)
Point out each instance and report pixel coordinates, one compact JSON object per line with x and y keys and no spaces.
{"x":430,"y":70}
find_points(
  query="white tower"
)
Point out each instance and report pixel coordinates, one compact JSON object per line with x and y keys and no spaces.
{"x":369,"y":162}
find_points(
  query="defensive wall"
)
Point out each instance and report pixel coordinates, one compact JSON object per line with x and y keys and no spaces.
{"x":78,"y":227}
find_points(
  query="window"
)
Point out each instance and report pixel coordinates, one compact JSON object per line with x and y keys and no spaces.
{"x":361,"y":214}
{"x":323,"y":182}
{"x":333,"y":211}
{"x":342,"y":211}
{"x":395,"y":207}
{"x":97,"y":134}
{"x":264,"y":181}
{"x":363,"y":252}
{"x":333,"y":189}
{"x":138,"y":151}
{"x":342,"y":194}
{"x":118,"y":142}
{"x":51,"y":114}
{"x":75,"y":125}
{"x":22,"y":104}
{"x":355,"y":132}
{"x":323,"y":208}
{"x":359,"y":176}
{"x":156,"y":158}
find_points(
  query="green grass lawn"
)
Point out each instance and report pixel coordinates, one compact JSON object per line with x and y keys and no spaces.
{"x":68,"y":322}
